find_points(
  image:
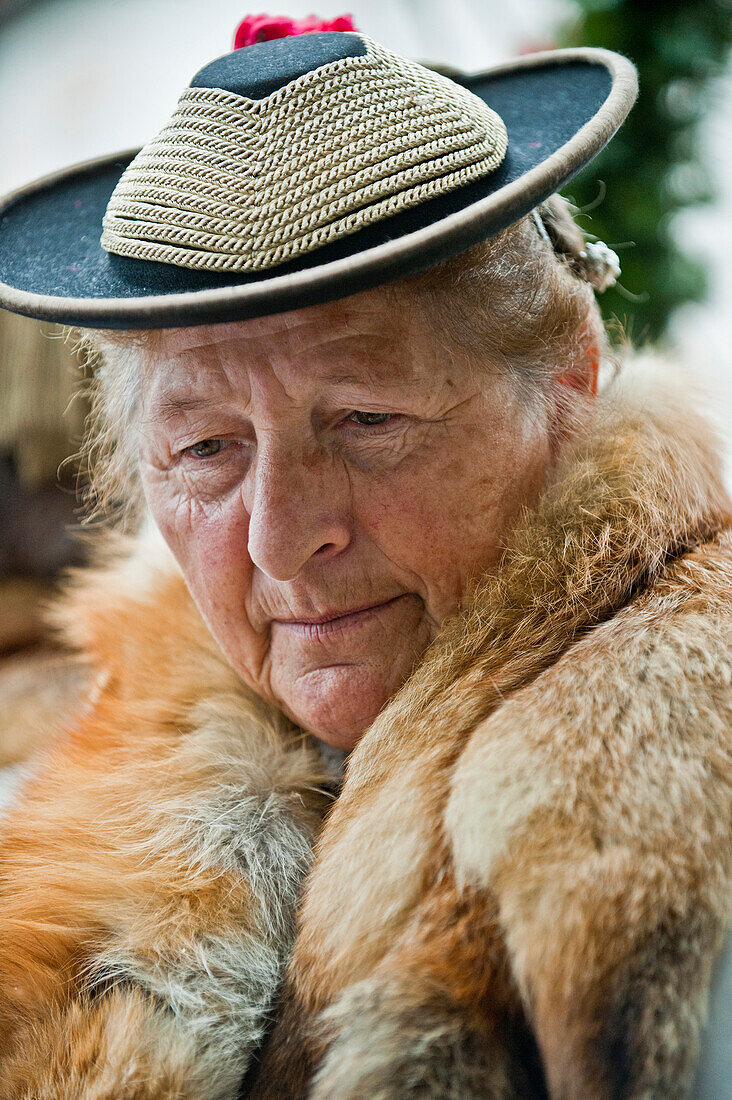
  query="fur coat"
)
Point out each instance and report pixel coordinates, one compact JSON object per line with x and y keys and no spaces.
{"x":519,"y":891}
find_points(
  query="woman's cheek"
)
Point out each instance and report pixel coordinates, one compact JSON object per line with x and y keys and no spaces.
{"x":172,"y":509}
{"x":209,"y":541}
{"x":217,"y":536}
{"x":198,"y":527}
{"x":404,"y":516}
{"x":438,"y":524}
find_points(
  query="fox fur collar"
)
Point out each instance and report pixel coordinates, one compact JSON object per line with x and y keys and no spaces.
{"x":523,"y":884}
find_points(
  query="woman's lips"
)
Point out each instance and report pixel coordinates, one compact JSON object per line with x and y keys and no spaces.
{"x":338,"y":624}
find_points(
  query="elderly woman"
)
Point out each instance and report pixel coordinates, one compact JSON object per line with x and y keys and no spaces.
{"x":391,"y":500}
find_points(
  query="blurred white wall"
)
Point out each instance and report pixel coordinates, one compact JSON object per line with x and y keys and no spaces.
{"x":702,"y":334}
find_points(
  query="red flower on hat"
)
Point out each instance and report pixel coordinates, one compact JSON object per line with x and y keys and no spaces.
{"x":262,"y":28}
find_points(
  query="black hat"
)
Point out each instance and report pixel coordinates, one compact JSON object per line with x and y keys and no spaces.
{"x":301,"y":170}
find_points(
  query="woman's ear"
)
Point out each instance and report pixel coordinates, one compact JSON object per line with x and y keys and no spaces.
{"x":583,"y":377}
{"x":575,"y":390}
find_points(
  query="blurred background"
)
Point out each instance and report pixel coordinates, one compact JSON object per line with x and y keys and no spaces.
{"x":81,"y":78}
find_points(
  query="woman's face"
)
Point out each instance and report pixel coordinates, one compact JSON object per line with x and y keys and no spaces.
{"x":328,"y":480}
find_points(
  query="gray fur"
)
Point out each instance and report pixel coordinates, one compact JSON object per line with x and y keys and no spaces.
{"x":388,"y":1044}
{"x":249,"y":820}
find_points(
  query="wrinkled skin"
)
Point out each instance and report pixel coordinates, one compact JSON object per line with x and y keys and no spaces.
{"x":307,"y":466}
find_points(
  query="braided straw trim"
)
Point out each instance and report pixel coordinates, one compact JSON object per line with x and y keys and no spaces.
{"x":234,"y":184}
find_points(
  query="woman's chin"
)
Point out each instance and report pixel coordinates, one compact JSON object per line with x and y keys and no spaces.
{"x":338,"y":703}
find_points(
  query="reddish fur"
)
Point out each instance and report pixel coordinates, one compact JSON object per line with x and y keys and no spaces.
{"x":71,"y":863}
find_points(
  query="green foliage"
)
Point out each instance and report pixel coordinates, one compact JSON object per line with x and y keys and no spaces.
{"x":652,"y":169}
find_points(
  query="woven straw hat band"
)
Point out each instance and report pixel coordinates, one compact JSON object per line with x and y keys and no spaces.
{"x":237,"y":184}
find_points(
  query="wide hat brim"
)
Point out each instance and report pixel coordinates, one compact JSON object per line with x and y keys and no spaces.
{"x":560,"y":108}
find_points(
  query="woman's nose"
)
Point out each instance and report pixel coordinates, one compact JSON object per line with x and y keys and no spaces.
{"x":296,"y":510}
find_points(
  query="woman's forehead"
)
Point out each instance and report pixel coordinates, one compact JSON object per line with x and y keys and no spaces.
{"x":371,"y":336}
{"x":355,"y":344}
{"x":369,"y":313}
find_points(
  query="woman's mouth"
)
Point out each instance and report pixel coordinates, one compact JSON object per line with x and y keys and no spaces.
{"x":339,"y":622}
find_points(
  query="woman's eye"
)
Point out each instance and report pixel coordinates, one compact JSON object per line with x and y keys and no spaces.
{"x":207,"y":448}
{"x":367,"y":419}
